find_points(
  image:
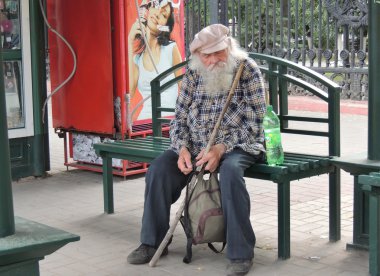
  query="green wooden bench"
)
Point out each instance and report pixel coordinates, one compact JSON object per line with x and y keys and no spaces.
{"x":279,"y":74}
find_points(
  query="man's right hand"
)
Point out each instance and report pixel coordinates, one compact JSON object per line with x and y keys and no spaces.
{"x":184,"y":161}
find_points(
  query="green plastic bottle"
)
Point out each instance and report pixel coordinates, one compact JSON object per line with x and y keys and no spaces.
{"x":273,"y":145}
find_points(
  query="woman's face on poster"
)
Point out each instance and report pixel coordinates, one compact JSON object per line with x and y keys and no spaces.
{"x":158,"y":17}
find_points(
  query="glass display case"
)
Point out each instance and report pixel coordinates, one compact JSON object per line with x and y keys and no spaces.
{"x":10,"y":24}
{"x":23,"y":50}
{"x":13,"y":95}
{"x":16,"y":69}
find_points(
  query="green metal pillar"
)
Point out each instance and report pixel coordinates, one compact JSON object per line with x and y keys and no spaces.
{"x":371,"y":184}
{"x":370,"y":161}
{"x":41,"y":138}
{"x":7,"y":222}
{"x":374,"y":80}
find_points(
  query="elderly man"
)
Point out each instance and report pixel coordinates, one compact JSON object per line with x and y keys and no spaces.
{"x":239,"y":143}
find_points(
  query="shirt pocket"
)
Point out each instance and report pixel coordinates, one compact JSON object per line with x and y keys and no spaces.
{"x":197,"y":114}
{"x":236,"y":113}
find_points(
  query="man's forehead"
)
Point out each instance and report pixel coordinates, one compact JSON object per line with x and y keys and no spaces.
{"x":220,"y":52}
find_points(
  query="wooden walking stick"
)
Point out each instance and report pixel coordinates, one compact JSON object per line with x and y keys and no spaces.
{"x":193,"y":181}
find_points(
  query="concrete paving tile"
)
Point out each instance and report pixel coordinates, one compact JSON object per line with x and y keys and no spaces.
{"x":64,"y":271}
{"x":309,"y":262}
{"x":72,"y":200}
{"x":326,"y":271}
{"x":56,"y":260}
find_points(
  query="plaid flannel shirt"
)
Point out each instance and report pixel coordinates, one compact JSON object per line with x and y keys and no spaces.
{"x":197,"y":112}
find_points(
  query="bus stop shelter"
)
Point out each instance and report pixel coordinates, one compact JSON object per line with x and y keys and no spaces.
{"x":24,"y":243}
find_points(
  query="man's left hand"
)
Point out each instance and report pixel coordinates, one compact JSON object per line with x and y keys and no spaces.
{"x":212,"y":158}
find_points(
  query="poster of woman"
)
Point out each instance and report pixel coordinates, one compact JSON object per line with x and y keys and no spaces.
{"x":163,"y":47}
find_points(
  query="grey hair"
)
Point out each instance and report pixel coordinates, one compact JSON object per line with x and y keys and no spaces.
{"x":236,"y":51}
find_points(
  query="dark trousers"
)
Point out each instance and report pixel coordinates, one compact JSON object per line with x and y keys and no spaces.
{"x":164,"y":182}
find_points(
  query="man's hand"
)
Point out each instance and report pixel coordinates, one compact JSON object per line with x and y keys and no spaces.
{"x":184,"y":161}
{"x":212,"y":158}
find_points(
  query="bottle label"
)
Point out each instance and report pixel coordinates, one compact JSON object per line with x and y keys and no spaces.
{"x":272,"y":137}
{"x":274,"y":151}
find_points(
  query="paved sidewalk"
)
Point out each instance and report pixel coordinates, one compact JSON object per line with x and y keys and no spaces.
{"x":72,"y":200}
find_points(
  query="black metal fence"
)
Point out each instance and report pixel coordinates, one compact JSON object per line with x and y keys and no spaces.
{"x":329,"y":36}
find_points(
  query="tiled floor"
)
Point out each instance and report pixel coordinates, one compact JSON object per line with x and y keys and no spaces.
{"x":72,"y":200}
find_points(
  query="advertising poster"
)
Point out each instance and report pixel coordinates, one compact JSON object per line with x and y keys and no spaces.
{"x":163,"y":47}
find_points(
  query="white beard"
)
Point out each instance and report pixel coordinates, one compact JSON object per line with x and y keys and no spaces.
{"x":217,"y":79}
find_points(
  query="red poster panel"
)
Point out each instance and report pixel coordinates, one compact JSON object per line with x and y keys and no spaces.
{"x":85,"y":103}
{"x":162,"y":21}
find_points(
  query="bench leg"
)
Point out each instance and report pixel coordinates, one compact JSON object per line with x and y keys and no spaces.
{"x":108,"y":185}
{"x":374,"y":233}
{"x":334,"y":205}
{"x":283,"y":192}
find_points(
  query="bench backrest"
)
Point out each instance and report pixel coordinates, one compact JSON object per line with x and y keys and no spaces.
{"x":279,"y":74}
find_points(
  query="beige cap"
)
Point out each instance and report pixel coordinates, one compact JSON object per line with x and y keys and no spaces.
{"x":211,"y":39}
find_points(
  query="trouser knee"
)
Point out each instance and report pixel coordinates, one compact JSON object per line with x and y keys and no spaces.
{"x":164,"y":178}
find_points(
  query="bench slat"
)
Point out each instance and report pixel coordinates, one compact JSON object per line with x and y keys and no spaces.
{"x":264,"y":168}
{"x":110,"y":149}
{"x":310,"y":162}
{"x":302,"y":164}
{"x":122,"y":145}
{"x":322,"y":160}
{"x":141,"y":145}
{"x":292,"y":167}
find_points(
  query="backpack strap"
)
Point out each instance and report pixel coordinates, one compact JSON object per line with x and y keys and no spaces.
{"x":212,"y":247}
{"x":189,"y":238}
{"x":189,"y":251}
{"x":185,"y":221}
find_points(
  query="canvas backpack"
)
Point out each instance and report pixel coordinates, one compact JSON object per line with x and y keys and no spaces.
{"x":202,"y":219}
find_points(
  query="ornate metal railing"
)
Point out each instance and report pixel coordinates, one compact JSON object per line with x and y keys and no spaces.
{"x":328,"y":36}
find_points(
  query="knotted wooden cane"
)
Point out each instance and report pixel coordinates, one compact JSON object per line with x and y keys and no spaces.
{"x":193,"y":180}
